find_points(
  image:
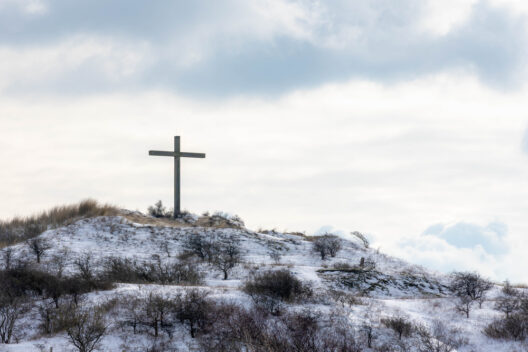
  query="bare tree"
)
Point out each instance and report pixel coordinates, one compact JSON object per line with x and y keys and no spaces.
{"x":86,"y":329}
{"x":7,"y":257}
{"x":510,"y":300}
{"x":508,"y":304}
{"x":509,"y":290}
{"x":38,"y":246}
{"x":464,"y":304}
{"x":164,"y":246}
{"x":226,"y":257}
{"x":85,"y":266}
{"x":156,"y":309}
{"x":470,"y":285}
{"x":327,"y":245}
{"x":368,"y":331}
{"x":192,"y":309}
{"x":11,"y":310}
{"x":400,"y":325}
{"x":58,"y":262}
{"x":198,"y":245}
{"x":275,"y":255}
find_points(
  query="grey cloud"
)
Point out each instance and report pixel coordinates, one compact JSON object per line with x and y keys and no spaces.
{"x":386,"y":46}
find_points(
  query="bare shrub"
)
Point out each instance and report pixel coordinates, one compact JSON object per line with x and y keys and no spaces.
{"x":367,"y":264}
{"x":38,"y":246}
{"x":344,"y":298}
{"x":86,"y":328}
{"x":326,"y":245}
{"x":234,"y":328}
{"x":54,"y":319}
{"x":158,"y":210}
{"x":400,"y":325}
{"x":439,"y":338}
{"x":512,"y":327}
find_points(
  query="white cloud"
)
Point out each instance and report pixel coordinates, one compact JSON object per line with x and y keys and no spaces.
{"x":388,"y":160}
{"x":442,"y":16}
{"x":109,"y":60}
{"x":28,"y":7}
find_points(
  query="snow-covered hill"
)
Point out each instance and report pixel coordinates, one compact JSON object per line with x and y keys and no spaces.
{"x":363,"y":296}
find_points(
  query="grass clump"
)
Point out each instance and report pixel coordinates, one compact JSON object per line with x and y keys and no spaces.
{"x":20,"y":229}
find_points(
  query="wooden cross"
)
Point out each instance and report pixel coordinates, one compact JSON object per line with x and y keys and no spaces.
{"x":177,"y":154}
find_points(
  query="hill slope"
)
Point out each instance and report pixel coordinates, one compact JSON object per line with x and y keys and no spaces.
{"x":144,"y":257}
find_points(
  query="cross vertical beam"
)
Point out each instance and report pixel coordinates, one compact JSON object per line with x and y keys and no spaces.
{"x":177,"y":154}
{"x":177,"y":210}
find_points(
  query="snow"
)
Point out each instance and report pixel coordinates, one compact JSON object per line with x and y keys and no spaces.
{"x":408,"y":290}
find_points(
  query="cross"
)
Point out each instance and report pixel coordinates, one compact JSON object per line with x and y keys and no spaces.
{"x":176,"y":154}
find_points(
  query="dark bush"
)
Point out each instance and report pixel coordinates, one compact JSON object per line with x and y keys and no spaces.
{"x":193,"y":309}
{"x":326,"y":245}
{"x":158,"y":210}
{"x":511,"y":327}
{"x":400,"y":325}
{"x":233,"y":328}
{"x":55,"y":319}
{"x":23,"y":281}
{"x":128,"y":271}
{"x":270,"y":288}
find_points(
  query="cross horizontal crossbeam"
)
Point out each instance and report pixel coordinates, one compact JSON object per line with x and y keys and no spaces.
{"x":173,"y":154}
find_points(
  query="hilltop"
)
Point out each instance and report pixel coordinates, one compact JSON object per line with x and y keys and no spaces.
{"x":206,"y":283}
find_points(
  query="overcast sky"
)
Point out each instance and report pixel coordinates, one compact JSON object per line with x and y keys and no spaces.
{"x":403,"y":119}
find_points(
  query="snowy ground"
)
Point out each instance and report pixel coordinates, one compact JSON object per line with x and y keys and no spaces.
{"x":397,"y":288}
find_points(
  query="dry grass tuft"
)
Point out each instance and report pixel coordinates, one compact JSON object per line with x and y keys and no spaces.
{"x":20,"y":229}
{"x":212,"y":221}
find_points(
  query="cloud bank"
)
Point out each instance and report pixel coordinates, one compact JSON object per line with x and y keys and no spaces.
{"x":212,"y":49}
